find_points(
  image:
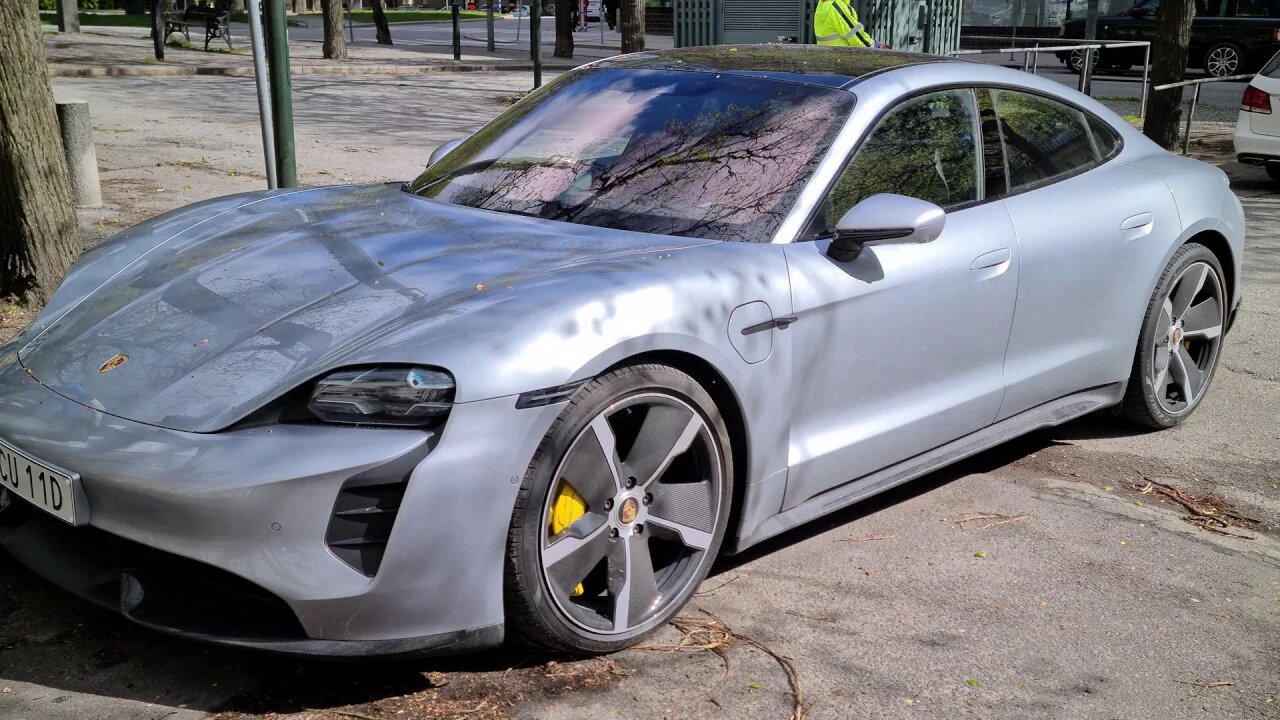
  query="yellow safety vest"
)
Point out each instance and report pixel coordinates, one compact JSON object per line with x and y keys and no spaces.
{"x":836,"y":23}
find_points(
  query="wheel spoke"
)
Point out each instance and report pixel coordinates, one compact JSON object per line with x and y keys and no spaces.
{"x":580,"y":548}
{"x":1164,"y":323}
{"x":1186,"y":374}
{"x":1203,"y":320}
{"x":588,"y":469}
{"x":667,"y":432}
{"x":692,"y":537}
{"x":1161,"y":384}
{"x":632,"y":582}
{"x":1188,"y":287}
{"x":609,"y":447}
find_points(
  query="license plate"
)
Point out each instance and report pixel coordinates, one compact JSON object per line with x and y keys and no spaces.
{"x":53,"y":491}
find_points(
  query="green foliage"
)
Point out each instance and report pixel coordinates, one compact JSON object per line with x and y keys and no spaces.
{"x":52,"y":5}
{"x":89,"y":18}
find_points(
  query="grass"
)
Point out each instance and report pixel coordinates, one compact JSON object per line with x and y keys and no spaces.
{"x":111,"y":19}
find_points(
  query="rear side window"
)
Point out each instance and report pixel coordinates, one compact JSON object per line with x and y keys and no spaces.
{"x":1043,"y":138}
{"x":1258,"y":8}
{"x":1105,"y":138}
{"x":1272,"y":68}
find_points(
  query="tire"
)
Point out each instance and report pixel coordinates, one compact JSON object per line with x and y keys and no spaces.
{"x":1223,"y":59}
{"x":670,"y":507}
{"x":1273,"y":170}
{"x":1180,"y":341}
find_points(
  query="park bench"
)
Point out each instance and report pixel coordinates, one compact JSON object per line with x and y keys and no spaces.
{"x":214,"y":18}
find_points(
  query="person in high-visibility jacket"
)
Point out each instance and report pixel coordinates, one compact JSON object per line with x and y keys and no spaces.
{"x":835,"y":22}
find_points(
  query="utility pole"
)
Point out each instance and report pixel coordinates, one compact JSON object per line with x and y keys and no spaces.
{"x":281,"y":93}
{"x":1090,"y":57}
{"x":535,"y":37}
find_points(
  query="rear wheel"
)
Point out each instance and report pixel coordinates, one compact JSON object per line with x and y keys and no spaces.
{"x":1180,"y":341}
{"x":1075,"y":61}
{"x":621,"y":512}
{"x":1223,"y":59}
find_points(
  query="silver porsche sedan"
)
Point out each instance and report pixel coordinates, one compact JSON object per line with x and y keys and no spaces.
{"x":667,"y":306}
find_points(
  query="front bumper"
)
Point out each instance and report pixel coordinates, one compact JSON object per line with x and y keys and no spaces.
{"x":246,"y":513}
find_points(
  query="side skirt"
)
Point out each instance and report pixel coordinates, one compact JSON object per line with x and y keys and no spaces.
{"x":1049,"y":414}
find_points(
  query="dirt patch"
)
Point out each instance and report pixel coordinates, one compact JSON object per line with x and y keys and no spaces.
{"x":13,"y":318}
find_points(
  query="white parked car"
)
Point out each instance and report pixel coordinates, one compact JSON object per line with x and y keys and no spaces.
{"x":1257,"y":136}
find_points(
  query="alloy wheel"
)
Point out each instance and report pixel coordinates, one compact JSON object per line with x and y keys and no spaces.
{"x":644,"y":484}
{"x":1222,"y":61}
{"x":1188,"y":337}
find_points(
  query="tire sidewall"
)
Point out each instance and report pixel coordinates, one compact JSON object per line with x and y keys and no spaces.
{"x":1183,"y":258}
{"x":550,"y":627}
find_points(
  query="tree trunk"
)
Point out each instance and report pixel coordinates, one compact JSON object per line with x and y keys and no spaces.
{"x":39,"y":238}
{"x":298,"y":6}
{"x":631,"y":25}
{"x":380,"y":22}
{"x":335,"y":43}
{"x":237,"y":6}
{"x":157,"y":28}
{"x":1168,"y":65}
{"x":564,"y":28}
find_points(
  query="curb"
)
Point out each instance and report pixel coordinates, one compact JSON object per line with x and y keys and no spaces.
{"x":99,"y":71}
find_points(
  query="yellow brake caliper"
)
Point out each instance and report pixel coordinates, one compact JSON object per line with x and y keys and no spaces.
{"x":565,"y":511}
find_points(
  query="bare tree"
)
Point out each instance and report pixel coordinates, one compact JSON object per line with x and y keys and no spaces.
{"x":39,"y":239}
{"x":631,"y":25}
{"x":1169,"y":65}
{"x":380,"y":22}
{"x":564,"y":28}
{"x":335,"y":44}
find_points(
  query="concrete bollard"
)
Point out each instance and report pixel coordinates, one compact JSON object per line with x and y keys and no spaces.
{"x":77,"y":146}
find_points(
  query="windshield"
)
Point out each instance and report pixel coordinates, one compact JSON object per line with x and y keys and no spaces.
{"x":668,"y":152}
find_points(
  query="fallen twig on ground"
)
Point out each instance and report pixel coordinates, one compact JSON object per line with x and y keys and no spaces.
{"x":1207,"y":512}
{"x":712,"y":591}
{"x":714,"y":636}
{"x":1000,"y":519}
{"x":1203,"y":687}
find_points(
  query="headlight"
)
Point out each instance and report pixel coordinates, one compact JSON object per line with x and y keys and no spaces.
{"x":405,"y":396}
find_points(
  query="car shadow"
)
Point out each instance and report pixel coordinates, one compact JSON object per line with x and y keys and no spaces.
{"x":55,"y":641}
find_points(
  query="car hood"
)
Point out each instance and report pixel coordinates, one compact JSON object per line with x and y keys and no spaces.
{"x":200,"y":325}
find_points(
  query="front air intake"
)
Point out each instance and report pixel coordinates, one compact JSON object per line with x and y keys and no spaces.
{"x":361,"y":524}
{"x":366,"y":509}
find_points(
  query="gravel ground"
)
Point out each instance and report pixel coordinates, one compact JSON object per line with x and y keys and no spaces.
{"x":1078,"y":596}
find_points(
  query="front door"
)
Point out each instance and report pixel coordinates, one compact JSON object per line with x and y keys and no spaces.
{"x":901,"y":349}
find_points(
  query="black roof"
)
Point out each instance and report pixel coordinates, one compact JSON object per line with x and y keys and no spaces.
{"x":816,"y":64}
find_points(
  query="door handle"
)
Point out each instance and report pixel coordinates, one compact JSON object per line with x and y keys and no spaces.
{"x":990,"y":259}
{"x":1137,"y":221}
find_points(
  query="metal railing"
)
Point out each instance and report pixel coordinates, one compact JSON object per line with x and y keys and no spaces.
{"x":1195,"y":100}
{"x":1031,"y":57}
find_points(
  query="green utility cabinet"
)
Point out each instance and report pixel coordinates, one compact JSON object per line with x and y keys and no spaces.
{"x":931,"y":26}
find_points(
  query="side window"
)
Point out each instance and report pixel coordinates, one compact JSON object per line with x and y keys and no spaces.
{"x":924,"y":148}
{"x":1257,"y":8}
{"x":1043,"y":138}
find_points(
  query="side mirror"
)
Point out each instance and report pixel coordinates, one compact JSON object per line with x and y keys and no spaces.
{"x":885,"y":219}
{"x":443,"y":149}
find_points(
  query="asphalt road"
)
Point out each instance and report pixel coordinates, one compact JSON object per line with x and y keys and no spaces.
{"x":1078,"y":596}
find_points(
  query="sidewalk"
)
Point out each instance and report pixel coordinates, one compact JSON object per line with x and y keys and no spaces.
{"x":93,"y":54}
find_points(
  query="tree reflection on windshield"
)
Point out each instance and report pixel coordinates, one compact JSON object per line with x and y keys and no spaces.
{"x":669,"y":152}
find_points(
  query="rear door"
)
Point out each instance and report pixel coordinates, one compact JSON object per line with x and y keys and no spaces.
{"x":1085,"y":228}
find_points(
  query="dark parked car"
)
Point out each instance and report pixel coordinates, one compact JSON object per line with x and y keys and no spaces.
{"x":1228,"y":37}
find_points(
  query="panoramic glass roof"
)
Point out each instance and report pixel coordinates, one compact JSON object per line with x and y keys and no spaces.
{"x":836,"y":67}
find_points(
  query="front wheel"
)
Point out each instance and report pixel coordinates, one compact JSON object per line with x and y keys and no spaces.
{"x":1180,"y":341}
{"x":1273,"y":170}
{"x":621,"y":512}
{"x":1223,"y":59}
